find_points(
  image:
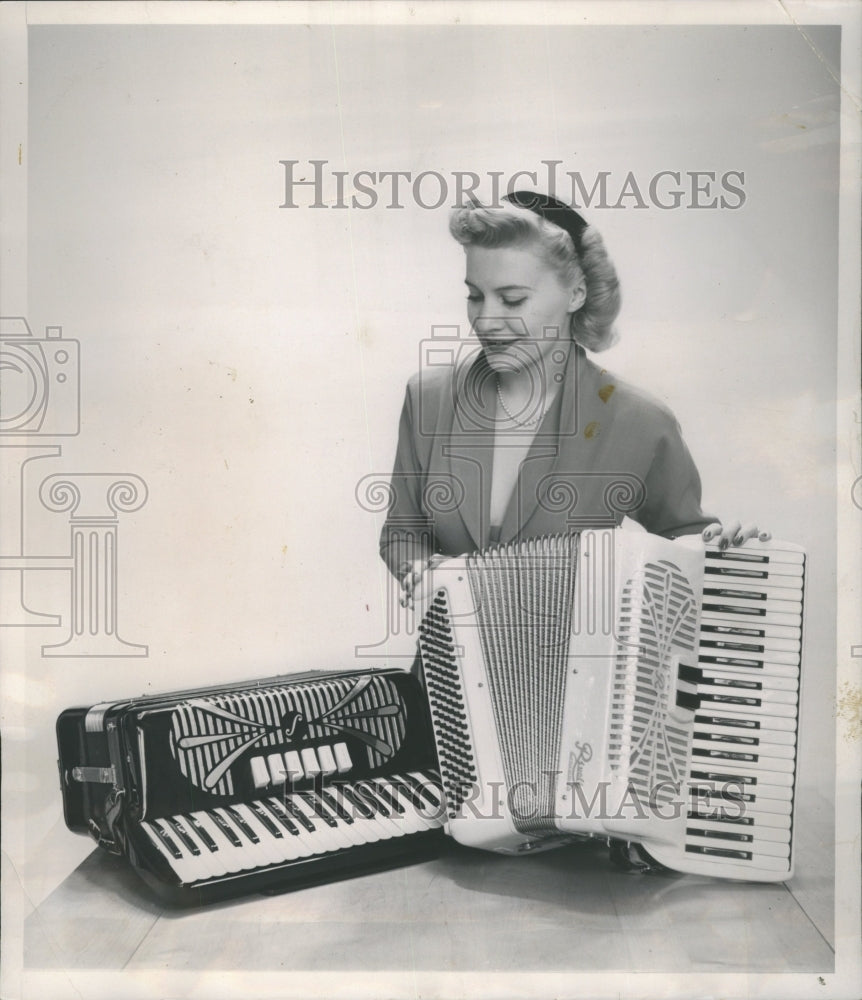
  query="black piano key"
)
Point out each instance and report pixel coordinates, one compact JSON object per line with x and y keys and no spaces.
{"x":264,"y":819}
{"x":333,"y":803}
{"x":163,"y":836}
{"x":359,"y":804}
{"x":742,"y":838}
{"x":278,"y":810}
{"x":203,"y":835}
{"x":718,"y":852}
{"x":367,"y":792}
{"x":749,"y":758}
{"x":319,"y":809}
{"x":425,"y":790}
{"x":408,"y":791}
{"x":387,"y":796}
{"x":183,"y":835}
{"x":243,"y":826}
{"x":740,"y":820}
{"x":225,"y":828}
{"x":297,"y":814}
{"x":725,"y":777}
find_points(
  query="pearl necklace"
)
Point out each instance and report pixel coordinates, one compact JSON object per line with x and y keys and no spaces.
{"x":531,"y":422}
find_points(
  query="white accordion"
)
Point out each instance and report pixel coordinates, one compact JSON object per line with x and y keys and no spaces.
{"x":614,"y":683}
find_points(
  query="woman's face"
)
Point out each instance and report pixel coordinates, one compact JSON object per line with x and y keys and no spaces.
{"x":519,"y":307}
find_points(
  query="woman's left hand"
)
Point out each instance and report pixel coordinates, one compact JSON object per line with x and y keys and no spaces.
{"x":734,"y":533}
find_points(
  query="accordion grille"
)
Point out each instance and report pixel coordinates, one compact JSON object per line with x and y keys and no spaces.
{"x":657,"y":615}
{"x":446,"y":703}
{"x":523,"y":595}
{"x":212,"y":733}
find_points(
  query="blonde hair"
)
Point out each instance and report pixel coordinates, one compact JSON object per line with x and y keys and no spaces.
{"x":509,"y":225}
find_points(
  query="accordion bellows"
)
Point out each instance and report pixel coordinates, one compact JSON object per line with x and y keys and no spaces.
{"x":615,"y":683}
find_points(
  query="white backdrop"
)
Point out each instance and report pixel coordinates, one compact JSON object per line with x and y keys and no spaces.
{"x":248,"y":361}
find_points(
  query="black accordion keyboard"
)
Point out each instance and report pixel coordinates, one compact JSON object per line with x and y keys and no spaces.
{"x":267,"y":786}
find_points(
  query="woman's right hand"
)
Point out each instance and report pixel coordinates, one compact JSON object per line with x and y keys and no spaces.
{"x":416,"y":586}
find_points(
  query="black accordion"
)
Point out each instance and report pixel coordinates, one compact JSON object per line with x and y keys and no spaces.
{"x":261,"y":786}
{"x":612,"y":683}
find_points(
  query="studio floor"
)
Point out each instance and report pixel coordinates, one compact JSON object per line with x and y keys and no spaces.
{"x":465,"y":910}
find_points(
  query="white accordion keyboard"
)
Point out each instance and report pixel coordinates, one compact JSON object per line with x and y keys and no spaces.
{"x":618,"y":684}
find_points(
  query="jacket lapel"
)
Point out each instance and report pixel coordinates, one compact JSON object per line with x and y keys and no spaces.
{"x":558,"y":428}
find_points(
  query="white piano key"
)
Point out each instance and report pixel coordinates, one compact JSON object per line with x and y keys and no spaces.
{"x":753,"y":555}
{"x":266,"y":848}
{"x":402,"y":813}
{"x":387,"y":818}
{"x":214,"y":857}
{"x":762,"y":795}
{"x":777,"y":833}
{"x":383,"y":813}
{"x":735,"y":867}
{"x":252,"y":853}
{"x":303,"y":840}
{"x":190,"y":868}
{"x":757,"y":845}
{"x":178,"y":864}
{"x":198,"y":855}
{"x":746,"y":687}
{"x":721,"y":812}
{"x":758,"y":708}
{"x":771,"y":650}
{"x":760,"y":748}
{"x":721,"y":612}
{"x":760,"y":592}
{"x":716,"y":678}
{"x":280,"y":840}
{"x":367,"y":827}
{"x":723,"y":727}
{"x":730,"y":771}
{"x":417,"y":816}
{"x":736,"y":757}
{"x":347,"y":825}
{"x":728,"y":714}
{"x":329,"y":839}
{"x":232,"y":859}
{"x":787,"y":640}
{"x":345,"y":833}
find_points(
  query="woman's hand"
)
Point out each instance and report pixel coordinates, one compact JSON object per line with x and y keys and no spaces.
{"x":416,"y":586}
{"x":733,"y":534}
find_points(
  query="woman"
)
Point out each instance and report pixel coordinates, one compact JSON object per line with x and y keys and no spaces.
{"x":529,"y":437}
